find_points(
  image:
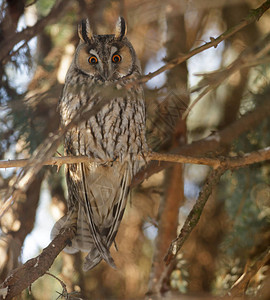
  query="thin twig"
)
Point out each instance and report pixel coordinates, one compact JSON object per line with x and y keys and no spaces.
{"x":254,"y":15}
{"x":64,"y":292}
{"x":250,"y":57}
{"x":239,"y":287}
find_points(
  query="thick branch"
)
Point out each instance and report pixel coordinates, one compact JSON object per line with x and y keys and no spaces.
{"x":47,"y":149}
{"x":195,"y":214}
{"x":34,"y":268}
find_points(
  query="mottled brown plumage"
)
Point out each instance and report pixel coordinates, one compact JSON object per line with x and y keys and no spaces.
{"x":116,"y":134}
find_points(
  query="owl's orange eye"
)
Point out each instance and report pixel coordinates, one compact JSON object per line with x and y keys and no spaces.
{"x":116,"y":58}
{"x":92,"y":60}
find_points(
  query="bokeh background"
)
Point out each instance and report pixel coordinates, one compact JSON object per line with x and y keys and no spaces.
{"x":234,"y":228}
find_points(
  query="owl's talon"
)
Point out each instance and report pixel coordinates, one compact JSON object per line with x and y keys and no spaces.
{"x":110,"y":162}
{"x":69,"y":242}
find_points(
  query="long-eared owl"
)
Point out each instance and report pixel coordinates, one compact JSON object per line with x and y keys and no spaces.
{"x":98,"y":191}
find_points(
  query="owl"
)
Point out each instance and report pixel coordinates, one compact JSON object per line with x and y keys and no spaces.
{"x":114,"y":138}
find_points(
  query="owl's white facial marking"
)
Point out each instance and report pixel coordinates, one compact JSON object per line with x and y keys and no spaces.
{"x":113,"y":50}
{"x":99,"y":62}
{"x":94,"y":52}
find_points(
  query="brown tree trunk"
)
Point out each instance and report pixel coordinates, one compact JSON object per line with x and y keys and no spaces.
{"x":174,"y":196}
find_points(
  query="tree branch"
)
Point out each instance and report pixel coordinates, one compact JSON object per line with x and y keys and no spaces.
{"x":230,"y":162}
{"x":215,"y":141}
{"x":22,"y":277}
{"x":195,"y":214}
{"x":250,"y":57}
{"x":239,"y":287}
{"x":25,"y":35}
{"x":254,"y":15}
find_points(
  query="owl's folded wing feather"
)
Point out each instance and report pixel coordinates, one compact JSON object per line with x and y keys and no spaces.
{"x":111,"y":213}
{"x":102,"y":249}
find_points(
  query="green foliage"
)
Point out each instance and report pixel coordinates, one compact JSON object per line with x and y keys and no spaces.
{"x":44,"y":6}
{"x":246,"y":193}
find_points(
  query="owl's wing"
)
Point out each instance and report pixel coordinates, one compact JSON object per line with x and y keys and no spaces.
{"x":111,"y":212}
{"x":102,"y":249}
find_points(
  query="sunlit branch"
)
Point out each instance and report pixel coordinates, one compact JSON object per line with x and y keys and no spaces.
{"x":195,"y":214}
{"x":230,"y":162}
{"x":254,"y":15}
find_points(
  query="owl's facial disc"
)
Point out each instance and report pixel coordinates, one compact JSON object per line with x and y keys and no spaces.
{"x":120,"y":62}
{"x":105,"y":57}
{"x":112,"y":63}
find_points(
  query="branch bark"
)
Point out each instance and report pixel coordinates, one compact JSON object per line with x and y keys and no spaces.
{"x":34,"y":268}
{"x":195,"y":214}
{"x":230,"y":162}
{"x":214,"y":142}
{"x":23,"y":276}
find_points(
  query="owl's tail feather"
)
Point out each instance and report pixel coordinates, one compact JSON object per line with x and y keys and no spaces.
{"x":101,"y":247}
{"x":91,"y":260}
{"x":83,"y":240}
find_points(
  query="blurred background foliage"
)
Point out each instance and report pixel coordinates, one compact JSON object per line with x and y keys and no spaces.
{"x":234,"y":228}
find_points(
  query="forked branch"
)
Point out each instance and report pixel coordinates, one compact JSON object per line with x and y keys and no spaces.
{"x":25,"y":275}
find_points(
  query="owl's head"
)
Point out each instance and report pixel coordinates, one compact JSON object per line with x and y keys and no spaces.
{"x":105,"y":57}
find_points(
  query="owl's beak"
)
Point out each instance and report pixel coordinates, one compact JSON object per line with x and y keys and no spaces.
{"x":106,"y":73}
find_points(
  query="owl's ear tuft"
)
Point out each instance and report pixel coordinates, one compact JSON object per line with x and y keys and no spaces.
{"x":84,"y":31}
{"x":120,"y":28}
